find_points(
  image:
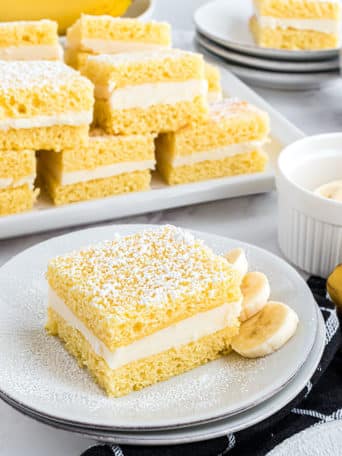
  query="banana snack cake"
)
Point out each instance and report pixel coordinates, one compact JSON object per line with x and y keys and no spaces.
{"x":144,"y":307}
{"x":148,"y":92}
{"x":228,"y":143}
{"x":297,"y":24}
{"x":43,"y":105}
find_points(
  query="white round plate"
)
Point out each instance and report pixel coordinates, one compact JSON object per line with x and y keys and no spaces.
{"x":268,"y":64}
{"x":38,"y":373}
{"x":141,"y":9}
{"x":272,"y":79}
{"x":207,"y":431}
{"x":227,"y":23}
{"x":324,"y":439}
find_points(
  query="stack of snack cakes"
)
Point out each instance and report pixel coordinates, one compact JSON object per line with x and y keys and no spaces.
{"x":44,"y":104}
{"x":149,"y":105}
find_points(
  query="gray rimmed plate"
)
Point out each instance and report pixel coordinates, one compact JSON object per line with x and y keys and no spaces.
{"x":272,"y":79}
{"x":38,"y":374}
{"x":226,"y":23}
{"x":207,"y":431}
{"x":262,"y":63}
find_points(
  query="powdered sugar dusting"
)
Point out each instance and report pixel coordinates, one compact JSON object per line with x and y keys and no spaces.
{"x":35,"y":74}
{"x":151,"y":268}
{"x":230,"y":107}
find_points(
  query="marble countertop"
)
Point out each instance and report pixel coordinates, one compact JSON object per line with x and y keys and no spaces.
{"x":252,"y":219}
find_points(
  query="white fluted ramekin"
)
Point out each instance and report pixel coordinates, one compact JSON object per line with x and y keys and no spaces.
{"x":310,"y":226}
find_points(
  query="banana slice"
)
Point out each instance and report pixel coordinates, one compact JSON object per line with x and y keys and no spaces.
{"x":238,"y":260}
{"x":332,"y":190}
{"x":256,"y":292}
{"x":267,"y":331}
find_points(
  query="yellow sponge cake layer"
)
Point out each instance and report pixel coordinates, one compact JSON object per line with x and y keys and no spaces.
{"x":213,"y":76}
{"x":132,"y":287}
{"x":56,"y":138}
{"x":17,"y":199}
{"x":29,"y":40}
{"x":227,"y":143}
{"x":137,"y":68}
{"x":76,"y":59}
{"x":292,"y":39}
{"x":43,"y":94}
{"x":28,"y":33}
{"x":16,"y":165}
{"x":135,"y":181}
{"x":144,"y":372}
{"x":157,"y":118}
{"x":299,"y":9}
{"x":107,"y":35}
{"x":148,"y":91}
{"x":17,"y":175}
{"x":246,"y":163}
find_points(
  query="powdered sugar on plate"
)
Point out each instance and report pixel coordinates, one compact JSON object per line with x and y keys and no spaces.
{"x":37,"y":372}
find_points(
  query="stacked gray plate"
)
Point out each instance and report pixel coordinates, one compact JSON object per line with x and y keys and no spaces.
{"x":222,"y":31}
{"x":40,"y":379}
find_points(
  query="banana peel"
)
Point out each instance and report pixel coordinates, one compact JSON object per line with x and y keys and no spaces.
{"x":65,"y":13}
{"x":334,"y":286}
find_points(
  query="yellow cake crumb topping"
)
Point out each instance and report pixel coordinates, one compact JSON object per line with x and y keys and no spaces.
{"x":28,"y":33}
{"x":17,"y":199}
{"x":213,"y":76}
{"x":36,"y":88}
{"x":299,"y":9}
{"x":17,"y":164}
{"x":121,"y":70}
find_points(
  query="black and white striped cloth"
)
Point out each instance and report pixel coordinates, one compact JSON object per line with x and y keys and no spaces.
{"x":319,"y":402}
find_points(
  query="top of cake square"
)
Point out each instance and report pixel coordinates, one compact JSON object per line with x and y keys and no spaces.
{"x":35,"y":74}
{"x":117,"y":29}
{"x":29,"y":90}
{"x":28,"y":33}
{"x":132,"y":286}
{"x":299,"y":9}
{"x":120,"y":70}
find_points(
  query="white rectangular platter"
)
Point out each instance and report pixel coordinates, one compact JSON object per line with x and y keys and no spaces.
{"x":46,"y":217}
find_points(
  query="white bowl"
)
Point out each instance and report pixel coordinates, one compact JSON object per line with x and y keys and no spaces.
{"x":310,"y":226}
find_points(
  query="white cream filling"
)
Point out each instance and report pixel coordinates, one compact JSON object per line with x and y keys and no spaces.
{"x":216,"y":154}
{"x":32,"y":52}
{"x":68,"y":118}
{"x":181,"y":333}
{"x":9,"y":182}
{"x":104,"y":172}
{"x":100,"y":46}
{"x":146,"y":95}
{"x":318,"y":25}
{"x":214,"y":96}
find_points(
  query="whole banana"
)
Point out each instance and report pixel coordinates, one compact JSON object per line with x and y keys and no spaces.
{"x":65,"y":13}
{"x":334,"y":286}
